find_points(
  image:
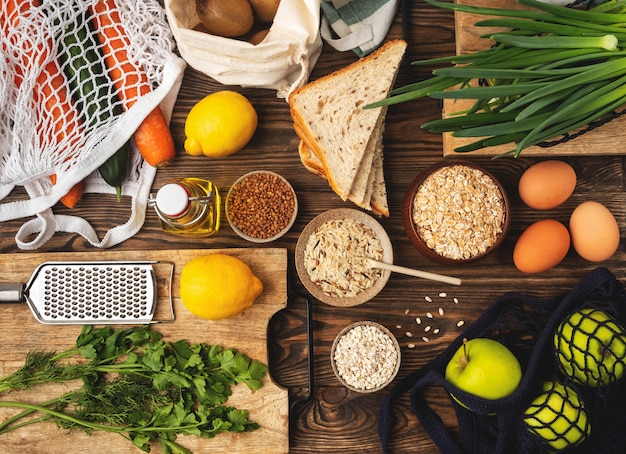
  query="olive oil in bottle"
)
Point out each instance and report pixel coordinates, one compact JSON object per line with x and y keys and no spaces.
{"x":187,"y":206}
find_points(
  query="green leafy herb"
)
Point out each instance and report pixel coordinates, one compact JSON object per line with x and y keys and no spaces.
{"x":138,"y":385}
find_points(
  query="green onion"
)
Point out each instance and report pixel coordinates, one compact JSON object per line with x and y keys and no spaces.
{"x":607,"y":42}
{"x":593,"y":103}
{"x":556,"y":70}
{"x":489,"y":142}
{"x":457,"y":122}
{"x":508,"y":127}
{"x":489,"y":92}
{"x":497,"y":73}
{"x":571,"y":28}
{"x":582,"y":15}
{"x":606,"y":71}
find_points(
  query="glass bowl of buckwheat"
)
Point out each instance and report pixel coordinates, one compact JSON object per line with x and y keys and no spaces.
{"x":456,"y":212}
{"x":365,"y":357}
{"x":333,"y":255}
{"x":261,"y":206}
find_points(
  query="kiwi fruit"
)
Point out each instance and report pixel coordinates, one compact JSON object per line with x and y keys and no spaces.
{"x":264,"y":10}
{"x":226,"y":18}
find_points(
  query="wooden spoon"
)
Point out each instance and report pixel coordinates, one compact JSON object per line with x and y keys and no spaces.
{"x":411,"y":272}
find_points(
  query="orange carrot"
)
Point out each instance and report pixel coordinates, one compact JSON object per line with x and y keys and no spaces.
{"x":50,"y":90}
{"x":73,"y":196}
{"x":153,"y":137}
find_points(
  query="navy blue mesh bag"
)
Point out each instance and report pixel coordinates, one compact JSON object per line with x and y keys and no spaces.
{"x":559,"y":378}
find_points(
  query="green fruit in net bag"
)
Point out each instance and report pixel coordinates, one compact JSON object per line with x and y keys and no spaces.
{"x":485,"y":368}
{"x":590,"y":347}
{"x":557,"y":416}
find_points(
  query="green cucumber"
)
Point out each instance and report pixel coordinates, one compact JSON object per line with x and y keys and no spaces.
{"x":96,"y":101}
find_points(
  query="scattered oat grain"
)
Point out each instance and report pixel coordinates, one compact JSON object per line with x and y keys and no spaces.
{"x":456,"y":300}
{"x":406,"y":311}
{"x":441,"y":312}
{"x":418,"y":320}
{"x":436,"y":331}
{"x":460,"y":323}
{"x":411,"y":346}
{"x":428,"y":299}
{"x":427,"y":328}
{"x":425,"y":339}
{"x":409,"y":334}
{"x":443,"y":295}
{"x":429,"y":315}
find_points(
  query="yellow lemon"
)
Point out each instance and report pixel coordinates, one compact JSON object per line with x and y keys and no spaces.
{"x":220,"y":124}
{"x":218,"y":286}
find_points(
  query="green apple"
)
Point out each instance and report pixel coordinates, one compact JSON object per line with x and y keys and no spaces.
{"x":484,"y":367}
{"x":590,"y":346}
{"x":558,"y":417}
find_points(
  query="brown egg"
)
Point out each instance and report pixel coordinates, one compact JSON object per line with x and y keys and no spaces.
{"x":594,"y":231}
{"x":542,"y":246}
{"x":547,"y":184}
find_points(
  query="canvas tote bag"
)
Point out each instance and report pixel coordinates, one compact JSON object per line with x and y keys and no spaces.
{"x":282,"y":61}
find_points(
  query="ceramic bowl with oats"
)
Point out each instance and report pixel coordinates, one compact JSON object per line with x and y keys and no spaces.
{"x":365,"y":357}
{"x":331,"y":257}
{"x":456,"y":212}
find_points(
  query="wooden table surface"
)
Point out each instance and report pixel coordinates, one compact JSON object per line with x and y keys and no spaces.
{"x":336,"y":419}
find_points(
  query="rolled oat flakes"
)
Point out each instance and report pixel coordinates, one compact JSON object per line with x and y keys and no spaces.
{"x":459,"y":212}
{"x":365,"y":357}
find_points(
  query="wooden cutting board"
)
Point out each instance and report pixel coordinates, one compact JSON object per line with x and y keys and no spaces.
{"x":21,"y":333}
{"x":605,"y":140}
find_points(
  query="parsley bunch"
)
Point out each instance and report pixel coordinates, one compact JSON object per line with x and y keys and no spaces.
{"x":137,"y":385}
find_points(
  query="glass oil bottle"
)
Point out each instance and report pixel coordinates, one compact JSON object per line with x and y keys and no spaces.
{"x":188,"y":206}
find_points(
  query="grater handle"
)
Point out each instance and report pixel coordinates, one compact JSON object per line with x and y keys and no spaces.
{"x":12,"y":292}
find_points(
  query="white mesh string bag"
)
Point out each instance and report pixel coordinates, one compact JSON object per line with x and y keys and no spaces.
{"x":68,"y":123}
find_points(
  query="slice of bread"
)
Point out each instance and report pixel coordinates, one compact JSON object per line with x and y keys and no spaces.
{"x":379,"y":202}
{"x":363,"y":185}
{"x":377,"y":192}
{"x":329,"y":117}
{"x":310,"y":161}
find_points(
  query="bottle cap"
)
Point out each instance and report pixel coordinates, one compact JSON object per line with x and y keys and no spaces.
{"x":172,"y":200}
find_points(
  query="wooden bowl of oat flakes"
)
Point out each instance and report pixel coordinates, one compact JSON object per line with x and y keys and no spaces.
{"x":365,"y":357}
{"x":456,"y":212}
{"x":331,"y":257}
{"x":261,"y":206}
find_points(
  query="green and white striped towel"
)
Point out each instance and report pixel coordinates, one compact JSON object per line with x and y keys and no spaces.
{"x":358,"y":25}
